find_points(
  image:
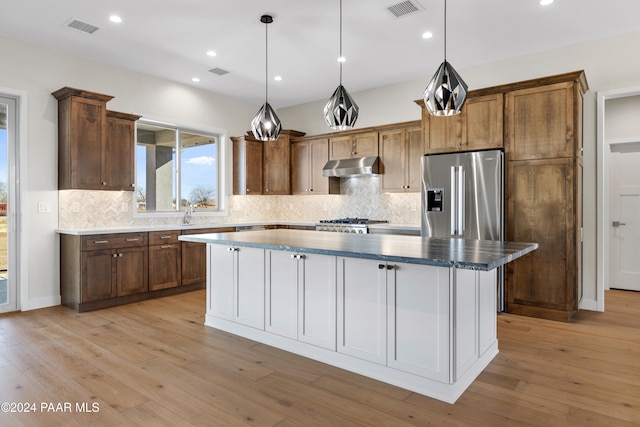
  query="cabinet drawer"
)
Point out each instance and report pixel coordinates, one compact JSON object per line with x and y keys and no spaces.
{"x":163,"y":237}
{"x":112,"y":241}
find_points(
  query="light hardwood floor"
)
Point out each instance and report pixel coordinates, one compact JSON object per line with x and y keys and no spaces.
{"x":154,"y":364}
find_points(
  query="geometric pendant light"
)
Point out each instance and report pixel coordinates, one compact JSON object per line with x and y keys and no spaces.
{"x":341,"y":111}
{"x":266,"y":125}
{"x":446,"y":92}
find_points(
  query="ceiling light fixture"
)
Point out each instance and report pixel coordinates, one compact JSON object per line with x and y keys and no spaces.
{"x":446,"y":92}
{"x":266,"y":125}
{"x":341,"y":111}
{"x":115,"y":19}
{"x":545,"y":2}
{"x":211,"y":53}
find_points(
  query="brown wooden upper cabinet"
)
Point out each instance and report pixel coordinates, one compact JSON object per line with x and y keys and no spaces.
{"x":95,"y":147}
{"x":308,"y":157}
{"x":247,"y":166}
{"x":363,"y":144}
{"x":541,"y":122}
{"x":400,"y":154}
{"x":478,"y":127}
{"x":276,"y":163}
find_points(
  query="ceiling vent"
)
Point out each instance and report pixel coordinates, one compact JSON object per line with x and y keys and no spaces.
{"x":76,"y":24}
{"x":405,"y":8}
{"x":218,"y":71}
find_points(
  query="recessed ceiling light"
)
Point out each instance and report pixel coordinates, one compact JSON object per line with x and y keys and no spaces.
{"x":342,"y":59}
{"x":545,"y":2}
{"x":211,"y":53}
{"x":277,"y":78}
{"x":195,"y":80}
{"x":115,"y":19}
{"x":427,"y":35}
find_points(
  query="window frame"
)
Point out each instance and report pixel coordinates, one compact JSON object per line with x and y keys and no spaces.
{"x":222,"y":169}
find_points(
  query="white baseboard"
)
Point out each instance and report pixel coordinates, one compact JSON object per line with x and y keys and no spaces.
{"x":36,"y":303}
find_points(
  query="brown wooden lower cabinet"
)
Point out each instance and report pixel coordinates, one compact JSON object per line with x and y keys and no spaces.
{"x":194,"y":257}
{"x":164,"y":260}
{"x":104,"y":270}
{"x":541,"y":208}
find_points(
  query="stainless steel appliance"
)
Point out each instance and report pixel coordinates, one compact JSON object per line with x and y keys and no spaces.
{"x":463,"y":196}
{"x":347,"y":225}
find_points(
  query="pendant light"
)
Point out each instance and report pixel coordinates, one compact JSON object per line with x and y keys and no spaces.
{"x":446,"y":92}
{"x":266,"y":125}
{"x":341,"y":111}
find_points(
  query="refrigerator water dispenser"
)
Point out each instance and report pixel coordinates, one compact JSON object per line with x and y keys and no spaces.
{"x":435,"y":200}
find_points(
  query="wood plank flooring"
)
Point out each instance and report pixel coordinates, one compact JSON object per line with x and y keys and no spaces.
{"x":154,"y":364}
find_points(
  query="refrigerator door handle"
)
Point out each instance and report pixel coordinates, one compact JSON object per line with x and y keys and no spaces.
{"x":453,"y":221}
{"x":461,"y":196}
{"x":457,"y":201}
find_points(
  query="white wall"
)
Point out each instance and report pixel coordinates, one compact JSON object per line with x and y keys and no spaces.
{"x":39,"y":71}
{"x":608,"y":64}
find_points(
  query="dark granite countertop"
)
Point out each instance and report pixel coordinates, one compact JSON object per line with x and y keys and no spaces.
{"x":459,"y":253}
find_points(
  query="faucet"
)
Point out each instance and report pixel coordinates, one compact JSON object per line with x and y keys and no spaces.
{"x":188,"y":211}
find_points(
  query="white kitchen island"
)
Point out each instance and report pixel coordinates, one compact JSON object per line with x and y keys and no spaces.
{"x":415,"y":312}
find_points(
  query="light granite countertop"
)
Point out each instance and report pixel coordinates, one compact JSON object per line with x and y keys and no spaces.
{"x":459,"y":253}
{"x":390,"y":228}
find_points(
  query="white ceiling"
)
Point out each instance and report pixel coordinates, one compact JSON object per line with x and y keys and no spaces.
{"x":170,"y":38}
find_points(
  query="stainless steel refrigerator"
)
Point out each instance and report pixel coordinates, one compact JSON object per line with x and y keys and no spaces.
{"x":463,"y":196}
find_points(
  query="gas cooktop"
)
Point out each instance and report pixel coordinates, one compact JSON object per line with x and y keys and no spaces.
{"x":352,"y":221}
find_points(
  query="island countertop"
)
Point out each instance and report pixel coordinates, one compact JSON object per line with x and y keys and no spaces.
{"x":443,"y":252}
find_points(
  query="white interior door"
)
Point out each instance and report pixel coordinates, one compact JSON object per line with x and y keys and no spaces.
{"x":625,"y":222}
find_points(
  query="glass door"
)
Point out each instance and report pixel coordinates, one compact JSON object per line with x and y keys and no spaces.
{"x":8,"y":126}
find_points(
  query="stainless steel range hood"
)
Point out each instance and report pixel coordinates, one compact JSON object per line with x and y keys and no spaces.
{"x":352,"y":167}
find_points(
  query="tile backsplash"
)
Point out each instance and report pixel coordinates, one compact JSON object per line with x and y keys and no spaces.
{"x":360,"y":197}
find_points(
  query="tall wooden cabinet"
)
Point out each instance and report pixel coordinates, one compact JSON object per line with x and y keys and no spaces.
{"x":543,"y":147}
{"x":95,"y":146}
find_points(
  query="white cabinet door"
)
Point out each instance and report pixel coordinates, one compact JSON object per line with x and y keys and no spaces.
{"x":221,"y":273}
{"x":317,"y":300}
{"x":487,"y":302}
{"x":362,"y":309}
{"x":466,"y":320}
{"x":282,"y":293}
{"x":249,"y":287}
{"x":419,"y":323}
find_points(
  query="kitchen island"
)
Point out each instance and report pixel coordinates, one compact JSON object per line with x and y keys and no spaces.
{"x":415,"y":312}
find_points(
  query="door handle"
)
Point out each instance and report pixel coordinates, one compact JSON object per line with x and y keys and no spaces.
{"x":618,"y":223}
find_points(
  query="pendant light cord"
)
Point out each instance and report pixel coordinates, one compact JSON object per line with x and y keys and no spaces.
{"x":266,"y":62}
{"x":445,"y":30}
{"x":341,"y":59}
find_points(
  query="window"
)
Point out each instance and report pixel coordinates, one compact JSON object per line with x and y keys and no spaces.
{"x":175,"y":168}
